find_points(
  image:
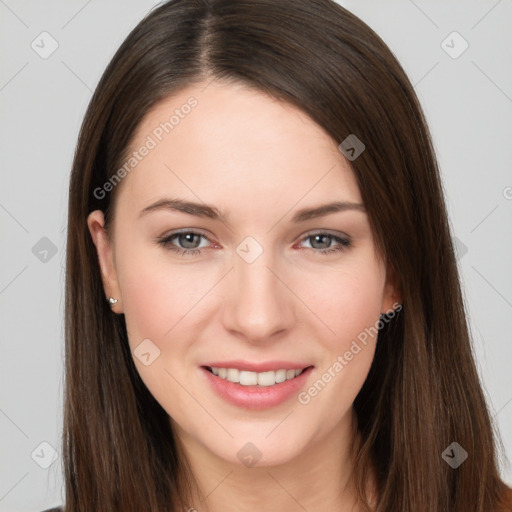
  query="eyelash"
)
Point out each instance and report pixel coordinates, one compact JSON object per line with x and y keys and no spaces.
{"x":344,"y":243}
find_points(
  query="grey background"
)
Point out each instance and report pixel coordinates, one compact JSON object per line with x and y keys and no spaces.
{"x":467,"y":101}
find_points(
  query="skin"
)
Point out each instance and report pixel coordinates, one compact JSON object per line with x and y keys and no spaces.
{"x":258,"y":160}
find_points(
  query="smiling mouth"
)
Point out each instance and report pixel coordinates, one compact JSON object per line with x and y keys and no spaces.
{"x":255,"y":379}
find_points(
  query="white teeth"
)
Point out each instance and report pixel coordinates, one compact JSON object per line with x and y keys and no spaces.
{"x":267,"y":378}
{"x":233,"y":375}
{"x":280,"y":376}
{"x":246,"y":378}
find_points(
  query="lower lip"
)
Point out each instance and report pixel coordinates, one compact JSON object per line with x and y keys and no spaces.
{"x":256,"y":397}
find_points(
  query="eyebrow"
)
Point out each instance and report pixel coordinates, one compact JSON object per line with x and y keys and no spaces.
{"x":205,"y":210}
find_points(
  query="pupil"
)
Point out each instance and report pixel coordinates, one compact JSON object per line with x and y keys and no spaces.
{"x":319,"y":237}
{"x":187,"y":237}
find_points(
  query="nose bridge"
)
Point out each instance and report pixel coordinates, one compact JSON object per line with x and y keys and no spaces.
{"x":260,"y":304}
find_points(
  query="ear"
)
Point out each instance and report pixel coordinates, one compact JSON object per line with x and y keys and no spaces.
{"x":392,"y":295}
{"x":96,"y":222}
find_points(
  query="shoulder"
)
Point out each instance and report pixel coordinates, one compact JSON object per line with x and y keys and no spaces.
{"x":55,"y":509}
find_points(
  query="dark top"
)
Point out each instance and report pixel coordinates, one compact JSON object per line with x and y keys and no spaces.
{"x":56,"y":509}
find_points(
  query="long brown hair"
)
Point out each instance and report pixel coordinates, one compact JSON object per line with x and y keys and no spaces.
{"x":119,"y":451}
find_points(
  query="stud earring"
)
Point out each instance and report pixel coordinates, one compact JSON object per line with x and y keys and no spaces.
{"x":112,"y":301}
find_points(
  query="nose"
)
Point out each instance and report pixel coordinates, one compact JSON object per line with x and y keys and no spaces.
{"x":260,"y":306}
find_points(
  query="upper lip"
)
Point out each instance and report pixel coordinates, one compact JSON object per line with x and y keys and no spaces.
{"x":258,"y":367}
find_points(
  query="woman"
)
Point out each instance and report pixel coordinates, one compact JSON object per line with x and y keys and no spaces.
{"x":262,"y":303}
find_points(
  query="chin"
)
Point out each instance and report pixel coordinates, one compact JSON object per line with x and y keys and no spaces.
{"x":260,"y":451}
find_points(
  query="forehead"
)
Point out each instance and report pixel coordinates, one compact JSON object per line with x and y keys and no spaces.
{"x":228,"y":140}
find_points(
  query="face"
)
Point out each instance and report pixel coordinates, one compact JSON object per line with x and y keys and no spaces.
{"x":246,"y":279}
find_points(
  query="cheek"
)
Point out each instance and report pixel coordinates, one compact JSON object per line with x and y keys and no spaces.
{"x":156,"y":294}
{"x":347,"y":356}
{"x":347,"y":300}
{"x":349,"y":304}
{"x":160,"y":298}
{"x":145,"y":303}
{"x":158,"y":303}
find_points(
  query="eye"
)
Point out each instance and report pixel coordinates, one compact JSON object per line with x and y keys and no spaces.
{"x":188,"y":241}
{"x":323,"y":242}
